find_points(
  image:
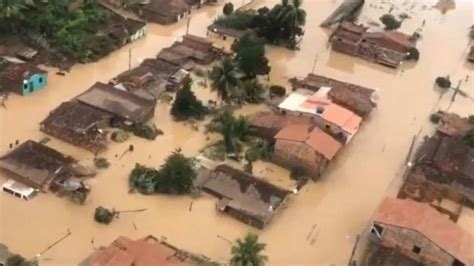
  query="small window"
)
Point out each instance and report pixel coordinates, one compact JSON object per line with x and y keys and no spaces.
{"x":416,"y":249}
{"x":25,"y":86}
{"x":8,"y":191}
{"x":41,"y":80}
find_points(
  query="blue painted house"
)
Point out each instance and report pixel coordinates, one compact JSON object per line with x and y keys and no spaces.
{"x":22,"y":78}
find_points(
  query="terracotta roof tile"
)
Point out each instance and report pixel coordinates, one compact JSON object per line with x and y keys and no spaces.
{"x":298,"y":133}
{"x":427,"y":221}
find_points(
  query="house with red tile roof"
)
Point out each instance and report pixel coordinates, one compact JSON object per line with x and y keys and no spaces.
{"x":142,"y":252}
{"x":339,"y":121}
{"x":305,"y":147}
{"x":421,"y":233}
{"x":21,"y":78}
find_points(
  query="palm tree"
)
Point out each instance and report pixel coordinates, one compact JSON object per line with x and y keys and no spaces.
{"x":247,"y":252}
{"x":226,"y":80}
{"x":233,"y":130}
{"x":292,"y":16}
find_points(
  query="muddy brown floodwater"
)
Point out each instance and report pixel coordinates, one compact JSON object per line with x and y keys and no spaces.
{"x":340,"y":205}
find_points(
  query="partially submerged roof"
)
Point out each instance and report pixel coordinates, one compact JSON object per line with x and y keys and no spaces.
{"x":142,"y":252}
{"x":117,"y":102}
{"x":167,"y":7}
{"x":393,"y":36}
{"x":452,"y":124}
{"x":198,"y":39}
{"x":15,"y":73}
{"x":268,"y":124}
{"x":221,"y":30}
{"x":454,"y":156}
{"x":35,"y":163}
{"x":314,"y":137}
{"x":245,"y":193}
{"x":436,"y":227}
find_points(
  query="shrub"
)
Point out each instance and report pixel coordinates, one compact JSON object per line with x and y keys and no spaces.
{"x":146,"y":132}
{"x":471,"y":119}
{"x":187,"y":105}
{"x":103,"y":215}
{"x":443,"y":82}
{"x":143,"y":179}
{"x":469,"y":138}
{"x":413,"y":54}
{"x":277,"y":90}
{"x":101,"y":163}
{"x":17,"y":260}
{"x":390,"y":22}
{"x":120,"y":136}
{"x":228,"y":9}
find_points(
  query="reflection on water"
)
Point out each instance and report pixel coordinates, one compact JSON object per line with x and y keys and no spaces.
{"x":338,"y":207}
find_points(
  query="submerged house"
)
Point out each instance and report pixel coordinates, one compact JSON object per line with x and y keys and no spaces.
{"x":124,"y":107}
{"x":35,"y":164}
{"x":267,"y":124}
{"x":358,"y":99}
{"x":305,"y":147}
{"x":453,"y":125}
{"x":421,"y":233}
{"x":147,"y":251}
{"x":78,"y":124}
{"x":162,"y":11}
{"x":340,"y":122}
{"x":21,"y":78}
{"x":388,"y":48}
{"x":243,"y":196}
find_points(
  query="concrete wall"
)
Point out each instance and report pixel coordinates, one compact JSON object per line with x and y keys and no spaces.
{"x":405,"y":240}
{"x":35,"y":83}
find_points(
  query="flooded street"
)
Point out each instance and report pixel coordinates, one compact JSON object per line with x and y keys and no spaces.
{"x":340,"y":205}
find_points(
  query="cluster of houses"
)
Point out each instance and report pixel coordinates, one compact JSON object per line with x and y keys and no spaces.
{"x":147,"y":251}
{"x":314,"y":122}
{"x":128,"y":100}
{"x":421,"y":223}
{"x":388,"y":48}
{"x":310,"y":127}
{"x":163,"y":11}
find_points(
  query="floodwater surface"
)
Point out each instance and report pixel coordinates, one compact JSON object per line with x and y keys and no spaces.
{"x":320,"y":224}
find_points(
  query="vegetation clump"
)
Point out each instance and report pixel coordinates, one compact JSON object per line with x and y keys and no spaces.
{"x":469,"y":138}
{"x":120,"y":136}
{"x":413,"y":54}
{"x":101,"y":163}
{"x":443,"y":82}
{"x":390,"y":22}
{"x":260,"y":150}
{"x":228,"y":9}
{"x":250,"y":55}
{"x":471,"y":119}
{"x":248,"y":251}
{"x":103,"y":215}
{"x":186,"y":104}
{"x":146,"y":131}
{"x":234,"y":130}
{"x":280,"y":25}
{"x":175,"y":176}
{"x":276,"y":90}
{"x":18,"y":260}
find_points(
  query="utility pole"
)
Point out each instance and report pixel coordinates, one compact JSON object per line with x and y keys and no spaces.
{"x":188,"y":23}
{"x":314,"y":65}
{"x":129,"y":58}
{"x":456,"y":90}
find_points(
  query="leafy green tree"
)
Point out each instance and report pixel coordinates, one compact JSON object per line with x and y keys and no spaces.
{"x":101,"y":163}
{"x":226,"y":80}
{"x":186,"y":104}
{"x":469,"y":138}
{"x":144,"y":179}
{"x":10,"y":11}
{"x":250,"y":54}
{"x":471,"y":119}
{"x":293,"y":17}
{"x":254,"y":91}
{"x":18,"y":260}
{"x":103,"y":215}
{"x":390,"y":22}
{"x":228,"y":9}
{"x":413,"y":54}
{"x":247,"y":252}
{"x":176,"y":174}
{"x":443,"y":82}
{"x":234,"y":131}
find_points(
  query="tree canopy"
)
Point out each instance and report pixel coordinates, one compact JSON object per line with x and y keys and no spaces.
{"x":234,"y":130}
{"x":390,"y":22}
{"x":226,"y":80}
{"x":228,"y":8}
{"x":186,"y":104}
{"x":175,"y":176}
{"x":250,"y":55}
{"x":247,"y":252}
